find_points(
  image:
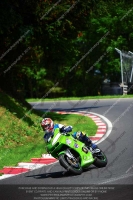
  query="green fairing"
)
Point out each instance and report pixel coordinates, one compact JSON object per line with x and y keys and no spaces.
{"x":59,"y":143}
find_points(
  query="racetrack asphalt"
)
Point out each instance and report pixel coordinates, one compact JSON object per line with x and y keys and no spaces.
{"x":117,"y":147}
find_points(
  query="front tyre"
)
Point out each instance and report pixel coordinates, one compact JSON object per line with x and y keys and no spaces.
{"x":100,"y":160}
{"x":70,"y":164}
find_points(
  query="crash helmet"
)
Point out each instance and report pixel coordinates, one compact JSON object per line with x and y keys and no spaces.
{"x":47,"y":125}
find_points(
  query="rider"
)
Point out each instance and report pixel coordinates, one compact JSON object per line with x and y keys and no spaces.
{"x":49,"y":128}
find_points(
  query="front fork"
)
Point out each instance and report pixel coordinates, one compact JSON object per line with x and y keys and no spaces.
{"x":69,"y":154}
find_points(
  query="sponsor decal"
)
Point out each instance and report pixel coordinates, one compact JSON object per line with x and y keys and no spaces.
{"x":76,"y":145}
{"x":68,"y":141}
{"x":85,"y":149}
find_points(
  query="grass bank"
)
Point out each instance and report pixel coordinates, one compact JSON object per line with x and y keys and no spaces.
{"x":21,"y":136}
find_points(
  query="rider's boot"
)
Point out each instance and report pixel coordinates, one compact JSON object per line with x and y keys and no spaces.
{"x":90,"y":145}
{"x":94,"y":148}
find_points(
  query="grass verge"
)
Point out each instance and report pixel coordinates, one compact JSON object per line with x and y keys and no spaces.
{"x":21,"y":136}
{"x":79,"y":98}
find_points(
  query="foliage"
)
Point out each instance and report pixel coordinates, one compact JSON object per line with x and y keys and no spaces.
{"x":63,"y":36}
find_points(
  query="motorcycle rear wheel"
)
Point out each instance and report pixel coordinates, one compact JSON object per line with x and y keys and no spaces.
{"x":70,"y":165}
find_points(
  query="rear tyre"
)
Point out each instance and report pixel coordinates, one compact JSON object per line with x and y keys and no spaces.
{"x":100,"y":160}
{"x":70,"y":165}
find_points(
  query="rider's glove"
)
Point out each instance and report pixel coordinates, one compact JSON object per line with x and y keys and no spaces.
{"x":66,"y":129}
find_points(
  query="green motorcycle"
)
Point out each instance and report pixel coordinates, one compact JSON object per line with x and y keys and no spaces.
{"x":72,"y":154}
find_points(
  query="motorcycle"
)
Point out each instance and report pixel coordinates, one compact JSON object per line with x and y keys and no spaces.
{"x":72,"y":154}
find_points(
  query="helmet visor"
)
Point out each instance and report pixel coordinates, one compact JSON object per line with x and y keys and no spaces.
{"x":46,"y":126}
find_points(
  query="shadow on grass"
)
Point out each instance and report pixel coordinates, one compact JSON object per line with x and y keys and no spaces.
{"x":15,"y":107}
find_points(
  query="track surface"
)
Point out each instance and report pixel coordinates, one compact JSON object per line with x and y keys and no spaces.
{"x":118,"y":147}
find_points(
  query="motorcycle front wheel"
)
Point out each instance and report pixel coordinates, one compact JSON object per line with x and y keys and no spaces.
{"x":100,"y":160}
{"x":69,"y":164}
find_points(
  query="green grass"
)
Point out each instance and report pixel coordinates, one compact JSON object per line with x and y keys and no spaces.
{"x":21,"y":136}
{"x":79,"y":98}
{"x":12,"y":156}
